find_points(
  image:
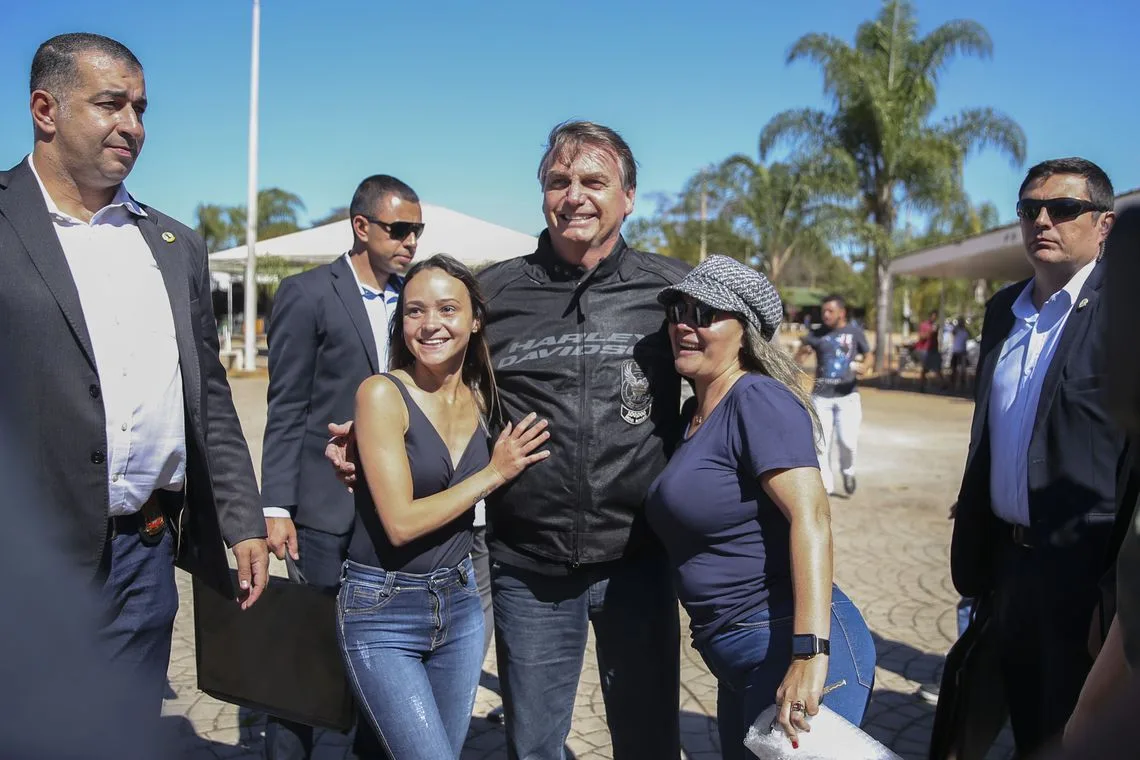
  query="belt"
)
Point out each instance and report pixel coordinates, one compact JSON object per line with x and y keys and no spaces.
{"x":148,"y":522}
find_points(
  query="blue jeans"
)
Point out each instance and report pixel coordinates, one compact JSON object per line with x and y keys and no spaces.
{"x":541,"y":624}
{"x":751,"y":658}
{"x":140,"y":600}
{"x":413,"y":647}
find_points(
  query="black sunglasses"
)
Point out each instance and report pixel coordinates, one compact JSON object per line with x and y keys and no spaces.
{"x":398,"y":230}
{"x":701,"y":314}
{"x":1060,"y":209}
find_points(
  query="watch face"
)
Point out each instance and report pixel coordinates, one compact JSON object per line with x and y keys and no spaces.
{"x":803,"y":645}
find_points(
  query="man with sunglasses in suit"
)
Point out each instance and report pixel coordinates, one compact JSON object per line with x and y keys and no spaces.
{"x":1037,"y":500}
{"x":327,"y":334}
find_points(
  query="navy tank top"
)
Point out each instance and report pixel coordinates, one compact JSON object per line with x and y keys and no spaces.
{"x":432,"y":472}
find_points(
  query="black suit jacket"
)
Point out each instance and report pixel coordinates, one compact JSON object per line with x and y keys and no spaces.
{"x":321,"y":349}
{"x":1075,"y":453}
{"x":57,"y":406}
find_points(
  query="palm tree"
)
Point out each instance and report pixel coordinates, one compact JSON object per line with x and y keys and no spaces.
{"x":779,"y":211}
{"x":884,"y":89}
{"x":278,"y":212}
{"x":214,"y":226}
{"x":675,"y":229}
{"x":334,"y":215}
{"x":761,"y":215}
{"x":960,"y":296}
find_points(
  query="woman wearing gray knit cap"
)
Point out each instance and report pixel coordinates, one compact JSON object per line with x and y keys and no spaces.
{"x":744,"y":516}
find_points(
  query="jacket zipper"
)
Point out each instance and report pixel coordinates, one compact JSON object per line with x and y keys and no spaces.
{"x":583,"y":399}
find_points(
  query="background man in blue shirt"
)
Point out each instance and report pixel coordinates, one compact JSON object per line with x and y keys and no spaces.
{"x":839,"y":350}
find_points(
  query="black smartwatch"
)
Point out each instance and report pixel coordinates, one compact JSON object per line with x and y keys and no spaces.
{"x":808,"y":645}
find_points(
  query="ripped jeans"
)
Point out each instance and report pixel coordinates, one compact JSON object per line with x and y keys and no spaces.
{"x":751,"y":657}
{"x":413,"y":648}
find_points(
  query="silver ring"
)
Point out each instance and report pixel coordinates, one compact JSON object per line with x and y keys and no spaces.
{"x":799,"y":707}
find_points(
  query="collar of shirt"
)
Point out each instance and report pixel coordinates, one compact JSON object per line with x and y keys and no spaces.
{"x":1024,"y":309}
{"x":391,"y":287}
{"x":122,"y":200}
{"x":558,"y":269}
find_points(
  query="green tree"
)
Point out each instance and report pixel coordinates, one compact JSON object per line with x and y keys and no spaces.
{"x":761,"y":215}
{"x":674,"y":229}
{"x":884,"y":90}
{"x":274,"y":269}
{"x":779,"y":211}
{"x":335,"y":215}
{"x":278,"y":212}
{"x":215,"y":226}
{"x":950,"y":297}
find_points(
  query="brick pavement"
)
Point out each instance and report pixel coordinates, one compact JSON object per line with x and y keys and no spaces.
{"x":891,"y":542}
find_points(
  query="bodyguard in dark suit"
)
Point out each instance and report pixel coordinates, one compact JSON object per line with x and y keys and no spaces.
{"x":1037,"y":500}
{"x":327,"y":334}
{"x":109,"y":341}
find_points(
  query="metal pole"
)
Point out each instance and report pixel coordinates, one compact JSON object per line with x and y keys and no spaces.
{"x":906,"y":313}
{"x":228,"y":346}
{"x":250,"y":327}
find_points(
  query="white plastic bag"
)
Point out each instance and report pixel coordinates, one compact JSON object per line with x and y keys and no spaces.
{"x":831,"y":737}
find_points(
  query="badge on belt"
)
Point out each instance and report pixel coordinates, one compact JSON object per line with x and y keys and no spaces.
{"x":152,"y":524}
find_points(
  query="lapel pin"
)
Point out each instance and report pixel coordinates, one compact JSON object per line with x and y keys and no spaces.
{"x":1084,"y":302}
{"x":168,"y":237}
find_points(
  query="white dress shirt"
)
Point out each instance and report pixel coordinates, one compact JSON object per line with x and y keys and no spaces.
{"x":1021,"y":368}
{"x":128,"y":316}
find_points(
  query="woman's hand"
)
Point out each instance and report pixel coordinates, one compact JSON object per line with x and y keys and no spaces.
{"x":802,"y":688}
{"x":513,"y":450}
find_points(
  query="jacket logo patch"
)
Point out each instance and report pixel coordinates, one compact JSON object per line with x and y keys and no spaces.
{"x":636,"y":400}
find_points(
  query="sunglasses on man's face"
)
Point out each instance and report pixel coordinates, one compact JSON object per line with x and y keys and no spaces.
{"x":398,"y":230}
{"x":1060,"y":209}
{"x":696,"y":312}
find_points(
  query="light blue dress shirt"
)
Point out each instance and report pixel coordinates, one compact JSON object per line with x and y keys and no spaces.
{"x":1021,"y":368}
{"x":380,"y":307}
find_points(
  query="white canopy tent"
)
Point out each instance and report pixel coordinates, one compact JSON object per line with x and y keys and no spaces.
{"x":470,"y":240}
{"x":995,"y":255}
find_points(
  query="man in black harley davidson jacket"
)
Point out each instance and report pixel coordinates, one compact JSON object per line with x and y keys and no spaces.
{"x":577,"y":336}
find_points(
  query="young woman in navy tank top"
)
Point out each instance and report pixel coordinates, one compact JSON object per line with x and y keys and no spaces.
{"x":409,"y":618}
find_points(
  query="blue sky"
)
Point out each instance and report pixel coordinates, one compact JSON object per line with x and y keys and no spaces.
{"x":456,"y":97}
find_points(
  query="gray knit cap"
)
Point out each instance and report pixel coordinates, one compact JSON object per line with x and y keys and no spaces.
{"x":726,"y":284}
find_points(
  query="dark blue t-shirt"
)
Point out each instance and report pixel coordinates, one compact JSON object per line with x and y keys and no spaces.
{"x":727,"y":541}
{"x":835,"y":349}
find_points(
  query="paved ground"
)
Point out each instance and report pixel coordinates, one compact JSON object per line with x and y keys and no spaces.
{"x":891,"y":542}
